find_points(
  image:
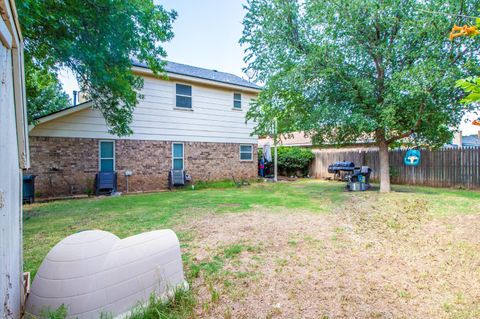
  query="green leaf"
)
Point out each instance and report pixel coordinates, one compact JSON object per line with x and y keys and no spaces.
{"x":350,"y":71}
{"x":96,"y":42}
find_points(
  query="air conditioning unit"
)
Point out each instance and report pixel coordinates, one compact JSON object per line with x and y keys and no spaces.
{"x":105,"y":183}
{"x":177,"y":177}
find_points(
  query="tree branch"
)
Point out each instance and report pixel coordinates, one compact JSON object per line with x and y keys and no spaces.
{"x":413,"y":129}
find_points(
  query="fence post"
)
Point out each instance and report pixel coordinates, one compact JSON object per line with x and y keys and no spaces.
{"x":445,"y":167}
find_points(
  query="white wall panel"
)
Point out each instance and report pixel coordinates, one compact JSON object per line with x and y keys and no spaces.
{"x":10,"y":194}
{"x":211,"y":119}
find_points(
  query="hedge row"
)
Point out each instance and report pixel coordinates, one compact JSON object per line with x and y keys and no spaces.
{"x":293,"y":160}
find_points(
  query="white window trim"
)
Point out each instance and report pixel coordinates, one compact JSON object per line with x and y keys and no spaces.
{"x":175,"y":107}
{"x":240,"y":153}
{"x":183,"y":154}
{"x":100,"y":155}
{"x":241,"y":101}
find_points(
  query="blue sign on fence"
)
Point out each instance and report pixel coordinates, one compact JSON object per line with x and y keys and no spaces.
{"x":412,"y":158}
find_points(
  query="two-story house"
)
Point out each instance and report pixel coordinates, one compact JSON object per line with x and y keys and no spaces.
{"x":195,"y":121}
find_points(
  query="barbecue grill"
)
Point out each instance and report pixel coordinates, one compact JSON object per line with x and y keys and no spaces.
{"x":341,"y":170}
{"x":357,"y":178}
{"x":360,"y":179}
{"x":341,"y":166}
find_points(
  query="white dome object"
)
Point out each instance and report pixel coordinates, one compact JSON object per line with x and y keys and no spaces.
{"x":95,"y":272}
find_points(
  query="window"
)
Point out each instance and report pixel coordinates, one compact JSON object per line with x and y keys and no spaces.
{"x":107,"y":156}
{"x":246,"y":152}
{"x":183,"y":96}
{"x":177,"y":155}
{"x":237,"y":101}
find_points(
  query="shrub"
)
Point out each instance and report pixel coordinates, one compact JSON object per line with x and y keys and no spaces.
{"x":294,"y":160}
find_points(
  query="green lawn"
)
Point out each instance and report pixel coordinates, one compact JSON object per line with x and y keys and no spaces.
{"x":45,"y":224}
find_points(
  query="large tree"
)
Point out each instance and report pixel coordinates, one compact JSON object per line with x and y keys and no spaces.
{"x":96,"y":40}
{"x":349,"y":70}
{"x":44,"y":92}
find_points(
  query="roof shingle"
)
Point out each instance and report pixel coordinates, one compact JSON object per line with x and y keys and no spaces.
{"x":471,"y":140}
{"x":201,"y":73}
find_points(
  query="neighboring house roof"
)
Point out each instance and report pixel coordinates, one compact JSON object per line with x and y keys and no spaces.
{"x":300,"y":139}
{"x":465,"y":140}
{"x":201,"y":73}
{"x":471,"y":140}
{"x":292,"y":139}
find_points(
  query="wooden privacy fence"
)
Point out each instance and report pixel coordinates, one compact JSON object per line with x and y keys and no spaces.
{"x":446,"y":167}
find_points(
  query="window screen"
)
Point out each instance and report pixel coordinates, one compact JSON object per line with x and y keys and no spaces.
{"x":237,"y":100}
{"x":246,"y":152}
{"x":183,"y":96}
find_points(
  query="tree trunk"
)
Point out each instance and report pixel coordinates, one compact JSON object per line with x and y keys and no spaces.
{"x":384,"y":167}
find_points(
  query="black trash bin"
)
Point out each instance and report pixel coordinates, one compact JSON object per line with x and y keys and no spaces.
{"x":28,"y":188}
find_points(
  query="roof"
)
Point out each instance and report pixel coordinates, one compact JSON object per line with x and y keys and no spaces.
{"x":292,"y":139}
{"x":79,"y":106}
{"x":305,"y":140}
{"x":471,"y":140}
{"x":175,"y":68}
{"x":201,"y":73}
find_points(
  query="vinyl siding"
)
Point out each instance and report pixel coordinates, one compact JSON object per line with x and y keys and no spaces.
{"x":211,"y":119}
{"x":11,"y":140}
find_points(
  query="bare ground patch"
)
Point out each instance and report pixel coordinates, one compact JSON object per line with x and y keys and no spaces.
{"x":373,"y":258}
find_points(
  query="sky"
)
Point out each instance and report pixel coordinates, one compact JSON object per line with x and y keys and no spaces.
{"x":206,"y":35}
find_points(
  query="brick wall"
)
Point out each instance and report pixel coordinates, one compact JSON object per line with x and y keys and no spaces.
{"x":66,"y":166}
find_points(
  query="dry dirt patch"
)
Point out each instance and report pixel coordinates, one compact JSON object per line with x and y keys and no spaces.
{"x":368,"y":262}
